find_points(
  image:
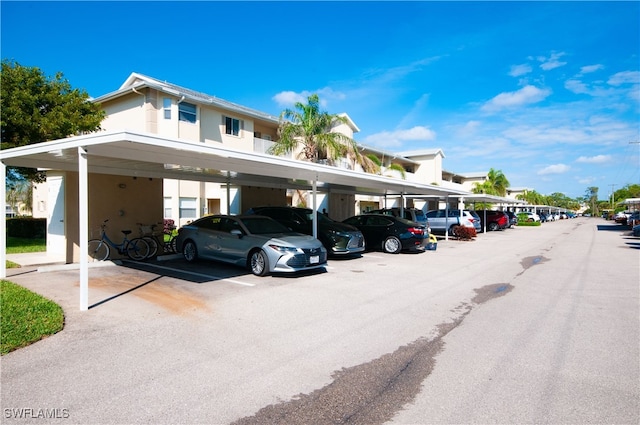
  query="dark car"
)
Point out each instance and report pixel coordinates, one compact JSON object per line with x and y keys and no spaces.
{"x":390,"y":234}
{"x":513,"y":220}
{"x":338,"y":238}
{"x":257,"y":242}
{"x":411,"y":214}
{"x":496,"y":220}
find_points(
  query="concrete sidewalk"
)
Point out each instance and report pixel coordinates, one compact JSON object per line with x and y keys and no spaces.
{"x":36,"y":259}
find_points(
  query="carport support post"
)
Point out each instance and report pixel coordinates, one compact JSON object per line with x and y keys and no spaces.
{"x":3,"y":230}
{"x":446,"y":218}
{"x":315,"y":207}
{"x":229,"y":192}
{"x":83,"y":212}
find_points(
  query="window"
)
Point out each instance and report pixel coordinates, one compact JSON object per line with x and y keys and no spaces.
{"x":187,"y":112}
{"x":166,"y":106}
{"x":232,"y":126}
{"x":188,"y":207}
{"x":167,"y":207}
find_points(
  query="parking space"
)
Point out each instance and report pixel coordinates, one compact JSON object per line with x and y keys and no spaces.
{"x":175,"y":286}
{"x":170,"y":341}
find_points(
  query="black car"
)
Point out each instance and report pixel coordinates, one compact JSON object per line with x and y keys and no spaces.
{"x":390,"y":234}
{"x":411,"y":214}
{"x":338,"y":238}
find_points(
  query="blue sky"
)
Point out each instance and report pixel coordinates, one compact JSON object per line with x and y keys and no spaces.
{"x":547,"y":92}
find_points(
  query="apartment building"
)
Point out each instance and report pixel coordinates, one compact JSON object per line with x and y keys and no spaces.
{"x":149,"y":105}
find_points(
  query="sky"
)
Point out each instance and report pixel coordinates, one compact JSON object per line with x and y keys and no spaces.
{"x":546,"y":92}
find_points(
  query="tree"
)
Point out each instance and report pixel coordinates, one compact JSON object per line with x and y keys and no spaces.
{"x":311,"y":127}
{"x":392,"y":167}
{"x":628,"y":191}
{"x":591,"y":197}
{"x":561,"y":200}
{"x":19,"y":195}
{"x":36,"y":108}
{"x":532,"y":197}
{"x":495,"y":184}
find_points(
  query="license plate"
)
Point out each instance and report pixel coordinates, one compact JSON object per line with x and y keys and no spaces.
{"x":314,"y":259}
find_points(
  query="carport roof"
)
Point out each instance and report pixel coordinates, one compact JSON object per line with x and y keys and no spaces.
{"x":147,"y":155}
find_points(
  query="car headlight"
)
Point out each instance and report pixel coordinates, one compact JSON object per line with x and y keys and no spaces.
{"x":336,"y":235}
{"x":285,"y":249}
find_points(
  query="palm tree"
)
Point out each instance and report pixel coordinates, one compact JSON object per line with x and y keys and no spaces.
{"x":19,"y":195}
{"x":392,"y":167}
{"x":311,"y":127}
{"x":495,"y":184}
{"x":532,"y":197}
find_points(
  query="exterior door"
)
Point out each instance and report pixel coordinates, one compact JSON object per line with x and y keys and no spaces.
{"x":56,"y":238}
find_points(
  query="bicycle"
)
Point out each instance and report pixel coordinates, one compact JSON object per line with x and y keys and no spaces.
{"x":149,"y":234}
{"x":170,"y":242}
{"x":100,"y":249}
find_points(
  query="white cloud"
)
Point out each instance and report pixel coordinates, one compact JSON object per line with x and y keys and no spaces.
{"x":468,"y":129}
{"x":625,"y":77}
{"x":289,"y":98}
{"x":586,"y":180}
{"x":387,"y":75}
{"x":590,"y":68}
{"x":526,"y":95}
{"x":551,"y":62}
{"x":576,"y":86}
{"x":391,"y":139}
{"x":598,"y":159}
{"x":518,"y":70}
{"x":554,"y":169}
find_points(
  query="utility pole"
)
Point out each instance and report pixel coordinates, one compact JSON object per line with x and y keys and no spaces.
{"x":612,"y":198}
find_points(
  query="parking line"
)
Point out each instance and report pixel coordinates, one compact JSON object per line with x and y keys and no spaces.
{"x":237,"y":282}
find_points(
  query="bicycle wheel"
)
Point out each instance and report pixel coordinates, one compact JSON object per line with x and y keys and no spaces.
{"x":153,"y":246}
{"x":98,"y":250}
{"x":173,"y":244}
{"x":137,"y":249}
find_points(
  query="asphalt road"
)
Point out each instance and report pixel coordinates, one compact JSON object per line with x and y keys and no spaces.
{"x":528,"y":325}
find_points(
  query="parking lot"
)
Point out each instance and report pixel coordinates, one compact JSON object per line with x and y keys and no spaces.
{"x":515,"y":326}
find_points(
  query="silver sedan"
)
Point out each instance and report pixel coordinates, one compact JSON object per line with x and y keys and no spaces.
{"x":256,"y":242}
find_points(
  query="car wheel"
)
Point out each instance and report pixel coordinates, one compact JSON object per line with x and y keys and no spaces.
{"x":493,"y":226}
{"x":392,"y":245}
{"x":259,"y":263}
{"x":453,"y":230}
{"x":190,"y":251}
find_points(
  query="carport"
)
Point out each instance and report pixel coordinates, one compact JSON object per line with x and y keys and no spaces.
{"x":463,"y":197}
{"x":137,"y":154}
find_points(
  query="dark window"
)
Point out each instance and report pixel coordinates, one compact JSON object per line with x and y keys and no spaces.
{"x":187,"y":112}
{"x":232,"y":126}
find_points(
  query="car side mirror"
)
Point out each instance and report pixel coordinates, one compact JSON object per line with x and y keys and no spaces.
{"x":236,"y":232}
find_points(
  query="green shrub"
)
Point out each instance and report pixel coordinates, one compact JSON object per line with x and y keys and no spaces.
{"x":529,"y":223}
{"x":26,"y":317}
{"x":26,"y":227}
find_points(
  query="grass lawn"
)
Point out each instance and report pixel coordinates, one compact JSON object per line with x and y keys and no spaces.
{"x":26,"y":317}
{"x":19,"y":245}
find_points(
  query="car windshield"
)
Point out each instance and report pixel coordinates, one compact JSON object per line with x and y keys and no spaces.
{"x":263,"y":225}
{"x":308,"y":215}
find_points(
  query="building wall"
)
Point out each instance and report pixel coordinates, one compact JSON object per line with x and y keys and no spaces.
{"x":430,"y":169}
{"x":341,"y":206}
{"x":146,"y":112}
{"x":127,"y":113}
{"x":124,"y":201}
{"x":253,"y":196}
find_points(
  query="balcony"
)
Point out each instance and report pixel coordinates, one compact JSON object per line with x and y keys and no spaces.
{"x":262,"y":145}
